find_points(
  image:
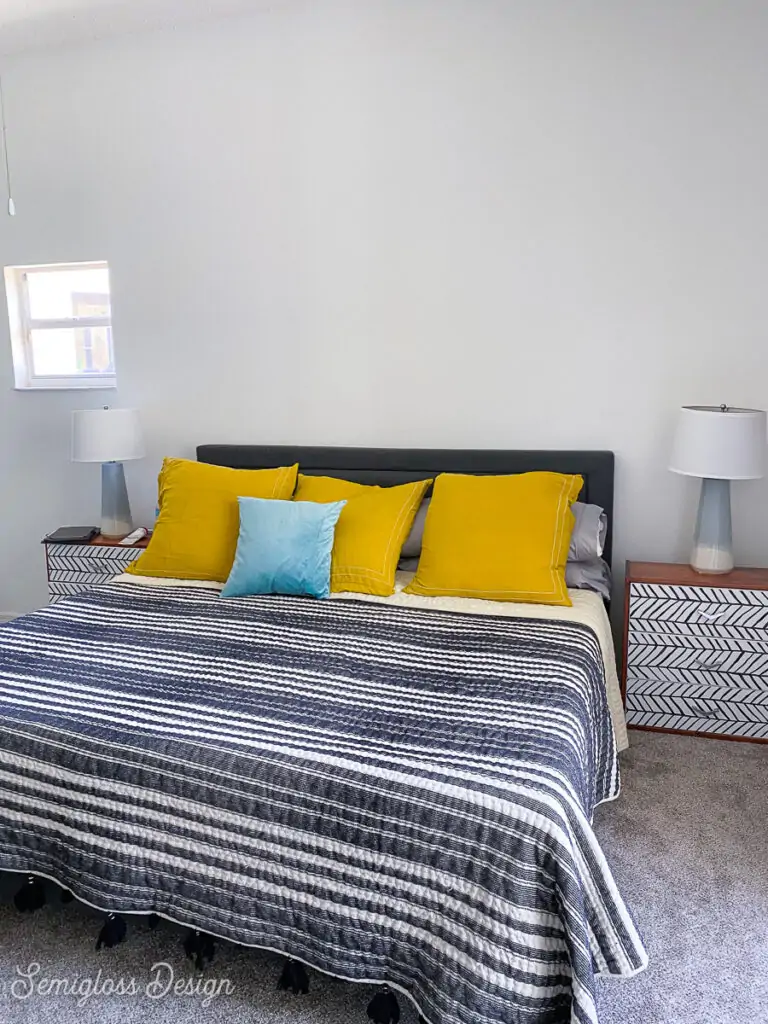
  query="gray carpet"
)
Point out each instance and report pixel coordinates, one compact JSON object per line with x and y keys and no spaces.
{"x":688,"y":841}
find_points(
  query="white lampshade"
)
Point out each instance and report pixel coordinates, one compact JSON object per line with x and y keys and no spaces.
{"x":106,"y":435}
{"x":720,"y":443}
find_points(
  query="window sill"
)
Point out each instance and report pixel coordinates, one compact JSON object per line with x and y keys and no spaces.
{"x":65,"y":387}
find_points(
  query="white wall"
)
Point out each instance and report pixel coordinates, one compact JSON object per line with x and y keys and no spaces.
{"x":403,"y":222}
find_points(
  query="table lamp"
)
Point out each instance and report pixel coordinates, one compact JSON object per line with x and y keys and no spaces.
{"x":718,"y":444}
{"x":111,"y":437}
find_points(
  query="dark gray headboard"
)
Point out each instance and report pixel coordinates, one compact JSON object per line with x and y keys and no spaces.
{"x":399,"y":465}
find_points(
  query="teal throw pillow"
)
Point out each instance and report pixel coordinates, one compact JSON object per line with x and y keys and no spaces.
{"x":284,"y":547}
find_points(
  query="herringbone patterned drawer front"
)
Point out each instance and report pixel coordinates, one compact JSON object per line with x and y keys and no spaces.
{"x":723,"y":655}
{"x":73,"y":568}
{"x":699,"y":614}
{"x":704,"y":702}
{"x":58,"y":591}
{"x":93,"y":563}
{"x":649,"y":677}
{"x":71,"y":576}
{"x":697,"y":659}
{"x":695,"y":723}
{"x":658,"y":592}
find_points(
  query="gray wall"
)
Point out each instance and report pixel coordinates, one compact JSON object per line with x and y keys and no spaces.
{"x":509,"y":224}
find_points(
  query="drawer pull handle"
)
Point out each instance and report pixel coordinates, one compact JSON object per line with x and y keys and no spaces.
{"x":712,"y":659}
{"x":712,"y":616}
{"x":701,"y":711}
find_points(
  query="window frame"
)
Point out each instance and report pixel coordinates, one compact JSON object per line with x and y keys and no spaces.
{"x":22,"y":324}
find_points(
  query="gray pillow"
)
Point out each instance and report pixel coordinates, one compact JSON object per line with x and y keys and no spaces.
{"x":408,"y":564}
{"x":594,"y":574}
{"x":589,"y":530}
{"x":412,"y":546}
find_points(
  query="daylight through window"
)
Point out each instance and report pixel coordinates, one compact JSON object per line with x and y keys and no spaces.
{"x":61,"y":325}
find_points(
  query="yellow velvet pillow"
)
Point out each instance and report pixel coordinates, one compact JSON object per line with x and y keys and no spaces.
{"x":370,"y":532}
{"x":195,"y":535}
{"x":502,"y":538}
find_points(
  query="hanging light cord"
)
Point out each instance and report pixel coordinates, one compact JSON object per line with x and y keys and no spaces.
{"x":4,"y":128}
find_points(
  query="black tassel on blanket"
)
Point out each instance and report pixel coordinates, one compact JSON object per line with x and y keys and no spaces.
{"x":294,"y":978}
{"x":384,"y":1008}
{"x":113,"y":932}
{"x":199,"y":947}
{"x":153,"y":921}
{"x":31,"y":896}
{"x":66,"y":896}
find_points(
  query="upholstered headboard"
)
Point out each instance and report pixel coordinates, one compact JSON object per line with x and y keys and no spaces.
{"x":399,"y":465}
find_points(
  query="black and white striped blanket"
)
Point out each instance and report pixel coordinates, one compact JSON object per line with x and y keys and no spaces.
{"x":387,"y":794}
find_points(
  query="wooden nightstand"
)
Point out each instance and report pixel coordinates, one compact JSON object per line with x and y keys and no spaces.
{"x":696,"y":651}
{"x":75,"y":567}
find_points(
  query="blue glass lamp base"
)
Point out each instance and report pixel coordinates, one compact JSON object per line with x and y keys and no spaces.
{"x":115,"y":511}
{"x":712,"y":541}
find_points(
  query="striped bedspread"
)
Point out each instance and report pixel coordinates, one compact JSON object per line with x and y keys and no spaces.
{"x":384,"y":793}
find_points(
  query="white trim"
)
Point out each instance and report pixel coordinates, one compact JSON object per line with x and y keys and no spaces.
{"x":32,"y":268}
{"x":80,"y":383}
{"x":68,"y":323}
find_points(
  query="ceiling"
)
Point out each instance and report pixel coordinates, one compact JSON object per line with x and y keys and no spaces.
{"x":30,"y":24}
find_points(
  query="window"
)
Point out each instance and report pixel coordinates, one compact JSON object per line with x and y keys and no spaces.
{"x":61,"y":325}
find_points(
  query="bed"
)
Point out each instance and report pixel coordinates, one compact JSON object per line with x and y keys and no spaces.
{"x":391,"y":790}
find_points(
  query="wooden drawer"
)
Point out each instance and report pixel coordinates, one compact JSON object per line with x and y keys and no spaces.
{"x":91,"y":578}
{"x":698,"y":606}
{"x":696,"y":657}
{"x":651,"y":600}
{"x":731,"y":702}
{"x":652,"y":678}
{"x":742,"y":718}
{"x":73,"y":568}
{"x":58,"y":590}
{"x":82,"y":558}
{"x":725,"y":653}
{"x":647,"y":630}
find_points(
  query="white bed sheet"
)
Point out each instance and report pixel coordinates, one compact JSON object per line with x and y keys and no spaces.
{"x":587,"y":608}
